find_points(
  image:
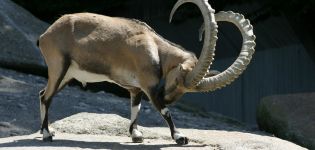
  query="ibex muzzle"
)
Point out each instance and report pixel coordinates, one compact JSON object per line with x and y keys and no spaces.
{"x":94,"y":48}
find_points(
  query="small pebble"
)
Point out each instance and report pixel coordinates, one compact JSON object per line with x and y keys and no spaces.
{"x":22,"y":106}
{"x":5,"y":124}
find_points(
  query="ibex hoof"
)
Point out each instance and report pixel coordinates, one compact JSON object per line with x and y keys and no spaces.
{"x":48,"y":139}
{"x":136,"y":136}
{"x":47,"y":136}
{"x":137,"y":139}
{"x":182,"y":141}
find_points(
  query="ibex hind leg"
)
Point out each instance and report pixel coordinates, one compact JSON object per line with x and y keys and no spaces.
{"x":135,"y":97}
{"x":56,"y":73}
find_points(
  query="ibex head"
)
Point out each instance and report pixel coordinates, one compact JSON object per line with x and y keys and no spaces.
{"x":193,"y":75}
{"x":175,"y":81}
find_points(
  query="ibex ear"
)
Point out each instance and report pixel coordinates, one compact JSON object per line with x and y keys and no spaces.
{"x":182,"y":71}
{"x":181,"y":68}
{"x":184,"y":68}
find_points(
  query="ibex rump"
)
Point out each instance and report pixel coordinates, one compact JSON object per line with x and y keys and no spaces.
{"x":93,"y":48}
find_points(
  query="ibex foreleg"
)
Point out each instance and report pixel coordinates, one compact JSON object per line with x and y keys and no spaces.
{"x":159,"y":104}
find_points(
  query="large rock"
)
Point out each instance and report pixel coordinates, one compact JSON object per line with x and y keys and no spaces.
{"x":19,"y":108}
{"x":108,"y":131}
{"x":290,"y":117}
{"x":91,"y":123}
{"x":19,"y":31}
{"x":105,"y":126}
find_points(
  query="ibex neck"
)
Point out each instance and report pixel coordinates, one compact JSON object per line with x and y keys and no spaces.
{"x":171,"y":55}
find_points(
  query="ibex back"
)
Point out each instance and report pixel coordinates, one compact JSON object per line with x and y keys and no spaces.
{"x":93,"y":48}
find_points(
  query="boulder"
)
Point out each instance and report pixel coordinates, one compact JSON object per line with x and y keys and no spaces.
{"x":103,"y":124}
{"x":19,"y":106}
{"x":85,"y":120}
{"x":291,"y":117}
{"x":116,"y":126}
{"x":19,"y":31}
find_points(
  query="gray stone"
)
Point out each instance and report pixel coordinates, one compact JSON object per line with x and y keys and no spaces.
{"x":291,"y":117}
{"x":116,"y":126}
{"x":90,"y":123}
{"x":107,"y":130}
{"x":8,"y":129}
{"x":22,"y":106}
{"x":5,"y":124}
{"x":19,"y":88}
{"x":19,"y":31}
{"x":11,"y":85}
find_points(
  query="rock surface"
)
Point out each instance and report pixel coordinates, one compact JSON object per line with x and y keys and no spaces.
{"x":104,"y":123}
{"x":19,"y":106}
{"x":66,"y":141}
{"x":19,"y":31}
{"x":108,"y":131}
{"x":290,"y":117}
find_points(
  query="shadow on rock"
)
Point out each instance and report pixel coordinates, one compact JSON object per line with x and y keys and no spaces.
{"x":91,"y":145}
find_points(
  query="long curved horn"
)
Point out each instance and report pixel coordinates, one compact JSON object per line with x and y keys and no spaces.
{"x":207,"y":53}
{"x":240,"y":64}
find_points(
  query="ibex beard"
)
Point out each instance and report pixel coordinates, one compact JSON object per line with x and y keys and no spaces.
{"x":93,"y":48}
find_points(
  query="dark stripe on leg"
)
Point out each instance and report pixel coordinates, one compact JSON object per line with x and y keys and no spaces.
{"x":135,"y":102}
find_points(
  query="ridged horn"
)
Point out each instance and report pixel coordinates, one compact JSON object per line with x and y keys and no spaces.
{"x":208,"y":49}
{"x":248,"y":48}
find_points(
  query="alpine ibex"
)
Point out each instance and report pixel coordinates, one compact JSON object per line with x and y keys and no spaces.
{"x":92,"y":48}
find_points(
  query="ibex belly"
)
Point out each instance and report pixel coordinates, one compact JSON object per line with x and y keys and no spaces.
{"x":120,"y":77}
